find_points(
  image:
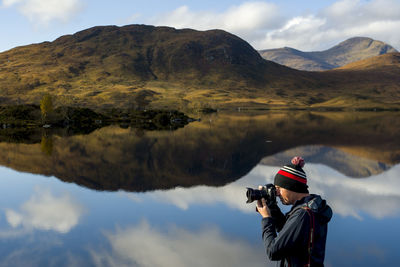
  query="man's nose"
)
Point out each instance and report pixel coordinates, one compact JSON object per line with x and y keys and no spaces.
{"x":278,"y":193}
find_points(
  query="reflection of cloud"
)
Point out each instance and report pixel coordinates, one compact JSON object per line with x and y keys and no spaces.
{"x":377,"y":195}
{"x":144,"y":246}
{"x":233,"y":195}
{"x":46,"y":212}
{"x":11,"y":234}
{"x":40,"y":250}
{"x":357,"y":253}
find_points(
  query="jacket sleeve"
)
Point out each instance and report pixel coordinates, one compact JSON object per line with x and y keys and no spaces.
{"x":278,"y":216}
{"x":294,"y":235}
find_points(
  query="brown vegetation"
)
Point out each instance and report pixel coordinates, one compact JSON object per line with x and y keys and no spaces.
{"x":141,"y":67}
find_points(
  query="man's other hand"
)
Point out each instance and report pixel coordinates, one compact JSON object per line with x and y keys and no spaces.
{"x":262,"y":207}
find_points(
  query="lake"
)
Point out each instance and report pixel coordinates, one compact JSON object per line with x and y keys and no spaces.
{"x":128,"y":197}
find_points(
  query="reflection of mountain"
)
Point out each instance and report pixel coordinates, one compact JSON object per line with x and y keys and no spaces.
{"x":218,"y":150}
{"x":348,"y":164}
{"x":378,"y":196}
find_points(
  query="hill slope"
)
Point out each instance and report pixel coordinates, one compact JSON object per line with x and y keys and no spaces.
{"x":389,"y":61}
{"x":139,"y":66}
{"x":351,"y":50}
{"x":113,"y":64}
{"x":371,"y":83}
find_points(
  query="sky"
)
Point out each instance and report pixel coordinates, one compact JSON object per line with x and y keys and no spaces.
{"x":307,"y":25}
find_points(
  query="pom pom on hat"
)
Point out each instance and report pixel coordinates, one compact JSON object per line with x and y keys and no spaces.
{"x":298,"y":161}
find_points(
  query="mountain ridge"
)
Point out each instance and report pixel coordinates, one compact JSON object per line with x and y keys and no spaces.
{"x":106,"y":62}
{"x":348,"y":51}
{"x":142,"y":66}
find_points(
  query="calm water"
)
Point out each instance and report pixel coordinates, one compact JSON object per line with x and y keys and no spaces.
{"x":124,"y":197}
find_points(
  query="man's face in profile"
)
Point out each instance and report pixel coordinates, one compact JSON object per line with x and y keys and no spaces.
{"x":284,"y":195}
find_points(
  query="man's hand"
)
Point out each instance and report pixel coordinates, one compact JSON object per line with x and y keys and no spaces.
{"x":262,"y":207}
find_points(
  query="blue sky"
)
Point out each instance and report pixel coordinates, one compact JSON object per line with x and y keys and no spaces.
{"x":306,"y":25}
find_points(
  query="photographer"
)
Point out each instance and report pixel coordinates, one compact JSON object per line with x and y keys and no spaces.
{"x":303,"y":230}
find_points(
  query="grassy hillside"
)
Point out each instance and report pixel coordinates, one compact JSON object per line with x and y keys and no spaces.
{"x":136,"y":64}
{"x":387,"y":62}
{"x":142,"y":67}
{"x":370,"y":83}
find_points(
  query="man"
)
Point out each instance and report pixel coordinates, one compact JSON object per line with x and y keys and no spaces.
{"x":303,"y":230}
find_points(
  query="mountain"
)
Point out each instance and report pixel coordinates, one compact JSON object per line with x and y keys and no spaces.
{"x":141,"y":66}
{"x":134,"y":63}
{"x":295,"y":59}
{"x":351,"y":50}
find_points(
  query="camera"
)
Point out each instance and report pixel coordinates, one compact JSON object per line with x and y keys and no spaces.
{"x":268,"y":192}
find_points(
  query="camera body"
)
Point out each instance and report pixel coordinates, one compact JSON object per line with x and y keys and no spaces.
{"x":268,"y":192}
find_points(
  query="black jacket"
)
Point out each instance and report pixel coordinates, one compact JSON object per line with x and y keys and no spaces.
{"x":292,"y":245}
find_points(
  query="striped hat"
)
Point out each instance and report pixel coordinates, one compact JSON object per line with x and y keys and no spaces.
{"x":292,"y":176}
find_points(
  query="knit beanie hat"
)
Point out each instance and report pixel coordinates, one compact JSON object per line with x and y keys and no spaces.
{"x":292,"y":176}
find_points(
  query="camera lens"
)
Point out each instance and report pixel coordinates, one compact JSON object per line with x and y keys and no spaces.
{"x":250,"y":195}
{"x":254,"y":194}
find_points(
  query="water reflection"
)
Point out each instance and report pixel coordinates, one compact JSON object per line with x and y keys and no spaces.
{"x":357,"y":166}
{"x":147,"y":246}
{"x":200,"y":226}
{"x":44,"y":211}
{"x":184,"y":191}
{"x":218,"y":150}
{"x":377,"y":196}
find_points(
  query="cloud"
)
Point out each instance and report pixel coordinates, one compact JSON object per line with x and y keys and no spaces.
{"x":8,"y":3}
{"x":44,"y":211}
{"x":132,"y":19}
{"x":248,"y":20}
{"x":377,"y":19}
{"x":378,"y":196}
{"x":264,"y":26}
{"x":42,"y":12}
{"x":293,"y":34}
{"x":144,"y":246}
